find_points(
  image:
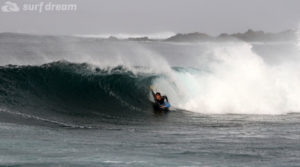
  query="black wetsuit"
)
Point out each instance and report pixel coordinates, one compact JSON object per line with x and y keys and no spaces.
{"x":161,"y":101}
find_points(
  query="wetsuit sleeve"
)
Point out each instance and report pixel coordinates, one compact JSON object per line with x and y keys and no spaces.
{"x":166,"y":98}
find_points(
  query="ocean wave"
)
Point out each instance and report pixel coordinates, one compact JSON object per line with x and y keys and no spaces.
{"x":214,"y":78}
{"x":61,"y":89}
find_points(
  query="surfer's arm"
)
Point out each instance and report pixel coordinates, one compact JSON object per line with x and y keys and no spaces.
{"x":166,"y":98}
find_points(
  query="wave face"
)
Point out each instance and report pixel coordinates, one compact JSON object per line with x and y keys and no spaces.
{"x":57,"y":78}
{"x":60,"y":89}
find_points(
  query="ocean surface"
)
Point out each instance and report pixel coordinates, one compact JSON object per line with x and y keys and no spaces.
{"x":75,"y":101}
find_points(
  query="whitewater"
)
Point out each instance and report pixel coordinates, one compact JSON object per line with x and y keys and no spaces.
{"x":85,"y":101}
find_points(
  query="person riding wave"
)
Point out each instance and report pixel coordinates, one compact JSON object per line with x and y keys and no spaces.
{"x":160,"y":100}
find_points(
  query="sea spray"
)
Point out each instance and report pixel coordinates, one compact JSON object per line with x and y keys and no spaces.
{"x":238,"y":81}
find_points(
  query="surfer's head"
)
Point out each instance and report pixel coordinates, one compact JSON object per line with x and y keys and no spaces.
{"x":158,"y":96}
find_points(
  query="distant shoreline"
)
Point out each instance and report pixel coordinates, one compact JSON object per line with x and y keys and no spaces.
{"x":196,"y":37}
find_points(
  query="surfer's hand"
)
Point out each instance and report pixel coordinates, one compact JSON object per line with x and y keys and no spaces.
{"x":162,"y":106}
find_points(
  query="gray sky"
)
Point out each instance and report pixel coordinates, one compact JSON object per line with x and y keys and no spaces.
{"x":152,"y":16}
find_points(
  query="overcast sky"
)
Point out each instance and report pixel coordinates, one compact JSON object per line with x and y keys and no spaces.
{"x":153,"y":16}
